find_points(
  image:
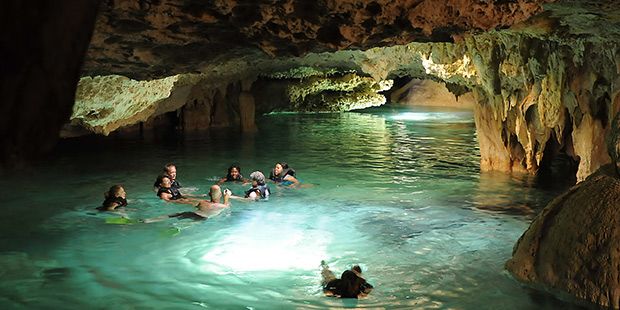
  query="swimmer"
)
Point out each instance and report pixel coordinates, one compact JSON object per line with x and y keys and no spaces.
{"x":172,"y":194}
{"x":233,"y":175}
{"x":115,"y":197}
{"x":170,"y":170}
{"x":204,"y":210}
{"x":259,"y":189}
{"x":350,"y":285}
{"x":281,"y":173}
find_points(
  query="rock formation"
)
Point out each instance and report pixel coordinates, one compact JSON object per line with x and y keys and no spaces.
{"x":573,"y":245}
{"x":150,"y":39}
{"x":42,"y":48}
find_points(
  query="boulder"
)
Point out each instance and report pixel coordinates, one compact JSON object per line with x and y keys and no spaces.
{"x":573,"y":245}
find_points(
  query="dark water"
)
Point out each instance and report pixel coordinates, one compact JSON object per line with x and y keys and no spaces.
{"x":397,"y":191}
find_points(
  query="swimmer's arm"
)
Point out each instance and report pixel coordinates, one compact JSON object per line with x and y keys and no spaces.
{"x":167,"y":197}
{"x":366,"y":288}
{"x":193,"y":196}
{"x":227,"y":195}
{"x":291,"y":178}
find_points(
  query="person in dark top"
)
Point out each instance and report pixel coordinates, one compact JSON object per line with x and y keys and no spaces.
{"x":282,"y":173}
{"x":170,"y":170}
{"x":350,"y":285}
{"x":259,"y":189}
{"x":233,"y":175}
{"x":172,"y":194}
{"x":115,"y":197}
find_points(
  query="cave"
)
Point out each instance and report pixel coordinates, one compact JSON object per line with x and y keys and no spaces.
{"x":424,"y":140}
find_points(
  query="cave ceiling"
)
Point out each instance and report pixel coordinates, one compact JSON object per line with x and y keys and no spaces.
{"x":150,"y":39}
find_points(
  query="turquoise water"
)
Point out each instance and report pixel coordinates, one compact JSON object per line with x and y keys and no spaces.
{"x":397,"y":191}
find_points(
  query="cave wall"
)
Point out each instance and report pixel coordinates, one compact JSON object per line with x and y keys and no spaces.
{"x":531,"y":90}
{"x":42,"y":48}
{"x":541,"y":89}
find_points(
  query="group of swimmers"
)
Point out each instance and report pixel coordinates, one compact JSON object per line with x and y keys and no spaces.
{"x":350,"y":285}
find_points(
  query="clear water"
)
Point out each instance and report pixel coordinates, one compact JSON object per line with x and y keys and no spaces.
{"x":397,"y":191}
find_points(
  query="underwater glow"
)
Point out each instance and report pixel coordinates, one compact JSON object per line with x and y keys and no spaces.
{"x":266,"y":242}
{"x":424,"y":116}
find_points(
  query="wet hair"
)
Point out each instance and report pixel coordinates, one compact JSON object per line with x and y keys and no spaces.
{"x":350,"y":284}
{"x":160,"y":178}
{"x":285,"y":170}
{"x":168,"y":165}
{"x":233,"y":166}
{"x":111,"y":199}
{"x":357,"y":268}
{"x":114,"y":189}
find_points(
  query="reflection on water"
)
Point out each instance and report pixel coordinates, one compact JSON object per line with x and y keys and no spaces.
{"x":397,"y":191}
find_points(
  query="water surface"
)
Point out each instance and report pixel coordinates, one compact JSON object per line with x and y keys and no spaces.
{"x":397,"y":191}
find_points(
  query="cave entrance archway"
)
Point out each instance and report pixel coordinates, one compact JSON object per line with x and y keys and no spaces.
{"x":559,"y":165}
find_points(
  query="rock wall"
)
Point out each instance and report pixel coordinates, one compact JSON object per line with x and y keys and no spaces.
{"x":42,"y":48}
{"x":532,"y":90}
{"x":572,"y":246}
{"x":543,"y":90}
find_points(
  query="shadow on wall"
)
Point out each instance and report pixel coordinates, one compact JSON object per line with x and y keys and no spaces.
{"x":430,"y":93}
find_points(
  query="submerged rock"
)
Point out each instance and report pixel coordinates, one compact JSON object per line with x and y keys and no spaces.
{"x":573,"y":245}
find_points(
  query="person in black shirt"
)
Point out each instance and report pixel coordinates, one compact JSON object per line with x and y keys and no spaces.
{"x":115,"y":197}
{"x":350,"y":285}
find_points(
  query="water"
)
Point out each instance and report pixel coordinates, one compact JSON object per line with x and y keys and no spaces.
{"x":397,"y":191}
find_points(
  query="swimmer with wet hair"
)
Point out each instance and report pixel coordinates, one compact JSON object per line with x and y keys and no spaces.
{"x":233,"y":175}
{"x":350,"y":285}
{"x":115,"y":197}
{"x":283,"y":174}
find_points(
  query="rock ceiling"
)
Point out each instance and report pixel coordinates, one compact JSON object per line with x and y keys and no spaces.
{"x":152,"y":39}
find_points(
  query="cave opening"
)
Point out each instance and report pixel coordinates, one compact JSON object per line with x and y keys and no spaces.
{"x":558,"y":166}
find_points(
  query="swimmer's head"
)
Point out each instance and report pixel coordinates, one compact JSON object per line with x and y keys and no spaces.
{"x":357,"y":268}
{"x":257,"y":176}
{"x":170,"y":170}
{"x":216,"y":193}
{"x":116,"y":191}
{"x":279,"y":167}
{"x":164,"y":181}
{"x":234,"y":171}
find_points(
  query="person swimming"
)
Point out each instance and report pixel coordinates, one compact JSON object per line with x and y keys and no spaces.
{"x":170,"y":170}
{"x":233,"y":175}
{"x":172,"y":194}
{"x":350,"y":285}
{"x":165,"y":189}
{"x":282,"y":173}
{"x":114,"y":198}
{"x":259,"y":189}
{"x":205,"y":209}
